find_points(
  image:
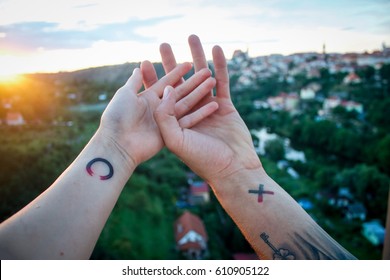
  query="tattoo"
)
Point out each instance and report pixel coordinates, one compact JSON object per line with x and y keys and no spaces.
{"x":308,"y":250}
{"x":105,"y":177}
{"x":260,"y":193}
{"x":330,"y":251}
{"x":279,"y":254}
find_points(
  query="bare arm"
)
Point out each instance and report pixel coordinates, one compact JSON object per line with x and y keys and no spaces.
{"x":66,"y":220}
{"x":220,"y":150}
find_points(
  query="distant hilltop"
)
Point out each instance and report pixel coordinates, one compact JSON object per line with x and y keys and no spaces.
{"x":118,"y":74}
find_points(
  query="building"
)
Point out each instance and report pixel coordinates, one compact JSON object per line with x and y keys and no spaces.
{"x":352,"y":78}
{"x":191,"y":236}
{"x":356,"y":211}
{"x":199,"y":193}
{"x":349,"y":105}
{"x":14,"y":119}
{"x":374,"y":232}
{"x":284,"y":101}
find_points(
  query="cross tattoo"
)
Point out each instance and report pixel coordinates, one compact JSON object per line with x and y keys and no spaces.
{"x":260,"y":193}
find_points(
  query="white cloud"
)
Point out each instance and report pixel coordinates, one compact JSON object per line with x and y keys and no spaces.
{"x":105,"y":29}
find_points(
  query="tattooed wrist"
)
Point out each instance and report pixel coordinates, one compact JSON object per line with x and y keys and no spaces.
{"x":310,"y":248}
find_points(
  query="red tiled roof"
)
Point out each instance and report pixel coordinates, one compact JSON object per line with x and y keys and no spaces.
{"x":187,"y":222}
{"x":199,"y":187}
{"x":14,"y":116}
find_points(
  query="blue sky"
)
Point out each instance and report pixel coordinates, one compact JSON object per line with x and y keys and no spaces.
{"x":52,"y":35}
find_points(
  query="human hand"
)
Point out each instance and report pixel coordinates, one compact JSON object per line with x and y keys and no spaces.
{"x":128,"y":119}
{"x":218,"y":146}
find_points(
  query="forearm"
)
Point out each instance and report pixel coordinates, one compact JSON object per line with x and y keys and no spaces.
{"x":274,"y":224}
{"x":66,"y":220}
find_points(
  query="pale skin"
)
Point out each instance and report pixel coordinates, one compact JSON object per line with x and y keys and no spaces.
{"x":221,"y":151}
{"x":66,"y":220}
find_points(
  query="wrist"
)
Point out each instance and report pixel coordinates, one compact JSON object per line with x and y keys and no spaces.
{"x":228,"y":186}
{"x":115,"y":150}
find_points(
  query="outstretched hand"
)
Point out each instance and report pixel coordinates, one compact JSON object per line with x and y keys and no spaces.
{"x":218,"y":146}
{"x":128,"y":119}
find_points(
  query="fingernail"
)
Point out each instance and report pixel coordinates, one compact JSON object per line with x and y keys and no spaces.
{"x":166,"y":92}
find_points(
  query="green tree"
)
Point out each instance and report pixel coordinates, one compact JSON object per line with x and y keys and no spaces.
{"x":369,"y":186}
{"x":275,"y":149}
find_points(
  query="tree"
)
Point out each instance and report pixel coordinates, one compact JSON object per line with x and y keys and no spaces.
{"x":275,"y":149}
{"x":368,"y":185}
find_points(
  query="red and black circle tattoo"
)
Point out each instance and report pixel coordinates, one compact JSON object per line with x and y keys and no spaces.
{"x":105,"y":177}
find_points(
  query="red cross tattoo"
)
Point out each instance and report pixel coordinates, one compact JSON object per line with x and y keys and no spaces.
{"x":260,"y":193}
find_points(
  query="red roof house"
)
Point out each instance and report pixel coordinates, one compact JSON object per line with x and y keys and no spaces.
{"x":199,"y":193}
{"x":191,"y":236}
{"x":14,"y":118}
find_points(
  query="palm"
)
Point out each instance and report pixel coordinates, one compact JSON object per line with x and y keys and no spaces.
{"x":215,"y":143}
{"x":134,"y":127}
{"x":221,"y":144}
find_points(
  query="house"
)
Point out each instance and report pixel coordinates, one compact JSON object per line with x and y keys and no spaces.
{"x":284,"y":101}
{"x":356,"y":211}
{"x":291,"y":102}
{"x":349,"y":105}
{"x":307,"y":93}
{"x":331,"y":103}
{"x":342,"y":199}
{"x":14,"y":119}
{"x":351,"y":78}
{"x":352,"y":106}
{"x":191,"y":236}
{"x":199,"y":193}
{"x":374,"y":232}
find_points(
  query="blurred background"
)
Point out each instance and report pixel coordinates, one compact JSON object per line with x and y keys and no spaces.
{"x":310,"y":79}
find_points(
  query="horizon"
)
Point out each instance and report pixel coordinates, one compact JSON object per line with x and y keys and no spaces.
{"x":45,"y":36}
{"x":227,"y":58}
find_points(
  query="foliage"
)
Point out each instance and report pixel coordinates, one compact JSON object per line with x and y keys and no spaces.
{"x":274,"y":149}
{"x":345,"y":150}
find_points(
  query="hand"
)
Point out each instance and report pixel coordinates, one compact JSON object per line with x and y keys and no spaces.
{"x":218,"y":146}
{"x":128,"y":119}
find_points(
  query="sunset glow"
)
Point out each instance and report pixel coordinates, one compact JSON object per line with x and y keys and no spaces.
{"x":9,"y":78}
{"x":51,"y":36}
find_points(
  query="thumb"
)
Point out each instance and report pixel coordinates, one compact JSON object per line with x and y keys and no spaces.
{"x":134,"y":83}
{"x":166,"y":120}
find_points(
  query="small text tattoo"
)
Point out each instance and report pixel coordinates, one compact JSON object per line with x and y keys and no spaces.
{"x":260,"y":193}
{"x":279,"y":254}
{"x":102,"y":177}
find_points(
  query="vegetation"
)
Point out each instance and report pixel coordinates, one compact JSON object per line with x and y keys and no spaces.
{"x":346,"y":150}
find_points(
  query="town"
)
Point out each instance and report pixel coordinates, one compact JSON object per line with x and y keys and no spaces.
{"x":320,"y":125}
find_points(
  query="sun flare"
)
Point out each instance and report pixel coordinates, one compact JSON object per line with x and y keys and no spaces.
{"x":9,"y":78}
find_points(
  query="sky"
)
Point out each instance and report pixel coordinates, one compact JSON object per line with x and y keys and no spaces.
{"x":53,"y":35}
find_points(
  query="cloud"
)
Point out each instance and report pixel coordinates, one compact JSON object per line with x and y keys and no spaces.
{"x":32,"y":36}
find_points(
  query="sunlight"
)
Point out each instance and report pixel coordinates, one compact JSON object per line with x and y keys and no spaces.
{"x":9,"y":78}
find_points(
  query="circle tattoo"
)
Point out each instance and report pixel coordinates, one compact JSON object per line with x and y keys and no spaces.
{"x":105,"y":177}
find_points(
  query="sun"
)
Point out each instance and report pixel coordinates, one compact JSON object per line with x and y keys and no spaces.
{"x":9,"y":78}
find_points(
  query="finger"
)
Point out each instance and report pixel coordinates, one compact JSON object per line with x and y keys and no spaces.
{"x":186,"y":104}
{"x":168,"y":58}
{"x":221,"y":73}
{"x":134,"y":83}
{"x":148,"y":73}
{"x":171,"y":78}
{"x":166,"y":120}
{"x":192,"y":119}
{"x":197,"y":52}
{"x":189,"y":85}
